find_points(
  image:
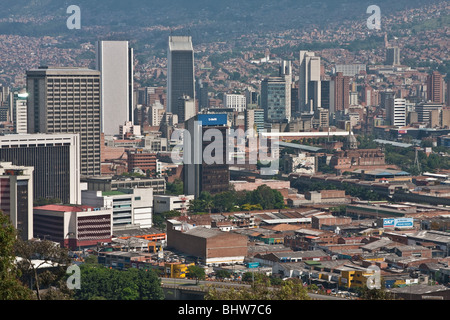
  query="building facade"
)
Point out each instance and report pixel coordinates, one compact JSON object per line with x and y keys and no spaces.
{"x":73,"y":226}
{"x":114,"y":59}
{"x":309,"y":91}
{"x":199,"y":175}
{"x":16,"y":197}
{"x":67,"y":100}
{"x":55,"y":159}
{"x":180,"y":70}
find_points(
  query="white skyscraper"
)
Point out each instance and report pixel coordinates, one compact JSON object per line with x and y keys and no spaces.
{"x":114,"y":59}
{"x":235,"y":101}
{"x":309,"y":94}
{"x":396,"y":113}
{"x":180,"y":71}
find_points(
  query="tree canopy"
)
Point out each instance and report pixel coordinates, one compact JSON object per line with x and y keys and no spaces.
{"x":100,"y":283}
{"x":262,"y":197}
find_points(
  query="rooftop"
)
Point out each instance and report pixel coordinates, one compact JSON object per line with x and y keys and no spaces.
{"x":64,"y":208}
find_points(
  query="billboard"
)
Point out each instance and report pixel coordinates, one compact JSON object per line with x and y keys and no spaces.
{"x":212,"y":119}
{"x":398,"y":223}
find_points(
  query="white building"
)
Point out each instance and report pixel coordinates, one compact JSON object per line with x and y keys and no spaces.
{"x":131,"y":207}
{"x":235,"y":101}
{"x":16,"y":197}
{"x":164,"y":203}
{"x":20,"y":112}
{"x":396,"y":113}
{"x":115,"y":61}
{"x":309,"y":91}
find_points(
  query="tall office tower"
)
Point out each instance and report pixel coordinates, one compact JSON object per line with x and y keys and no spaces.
{"x":16,"y":197}
{"x":67,"y":100}
{"x":435,"y":87}
{"x":339,"y":93}
{"x":201,"y":91}
{"x":254,"y":119}
{"x":237,"y":102}
{"x":393,"y":56}
{"x":19,"y":116}
{"x":273,"y":99}
{"x":4,"y":93}
{"x":155,"y":114}
{"x":55,"y":159}
{"x":396,"y":113}
{"x":114,"y":59}
{"x":276,"y":95}
{"x":180,"y":71}
{"x":185,"y":108}
{"x":386,"y":99}
{"x":425,"y":112}
{"x":325,"y":93}
{"x":200,"y":174}
{"x":448,"y":92}
{"x":309,"y":82}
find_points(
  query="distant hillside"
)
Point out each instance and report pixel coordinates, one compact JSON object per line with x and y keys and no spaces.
{"x":212,"y":16}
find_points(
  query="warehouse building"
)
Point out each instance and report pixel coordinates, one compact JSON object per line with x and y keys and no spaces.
{"x":210,"y":246}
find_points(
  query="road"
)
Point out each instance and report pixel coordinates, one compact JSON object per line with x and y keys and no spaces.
{"x":169,"y":282}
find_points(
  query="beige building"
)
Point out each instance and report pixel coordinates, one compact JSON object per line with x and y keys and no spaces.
{"x":67,"y":100}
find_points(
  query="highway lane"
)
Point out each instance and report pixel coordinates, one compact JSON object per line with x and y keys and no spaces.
{"x":174,"y":282}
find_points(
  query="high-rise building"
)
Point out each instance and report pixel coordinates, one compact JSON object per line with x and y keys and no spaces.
{"x":180,"y":71}
{"x":67,"y":100}
{"x":339,"y":93}
{"x":448,"y":92}
{"x":254,"y":119}
{"x":425,"y":112}
{"x":55,"y":159}
{"x":19,"y":116}
{"x":114,"y":59}
{"x":16,"y":197}
{"x":309,"y":82}
{"x":435,"y":87}
{"x":202,"y":91}
{"x":234,"y":101}
{"x":186,"y":108}
{"x":276,"y":95}
{"x":393,"y":56}
{"x":396,"y":113}
{"x":201,"y":174}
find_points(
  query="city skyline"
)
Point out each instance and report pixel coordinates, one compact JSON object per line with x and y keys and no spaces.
{"x":293,"y":151}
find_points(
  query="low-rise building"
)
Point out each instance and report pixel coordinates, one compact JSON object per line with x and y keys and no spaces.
{"x":209,"y":245}
{"x":129,"y":206}
{"x":164,"y":203}
{"x":73,"y":226}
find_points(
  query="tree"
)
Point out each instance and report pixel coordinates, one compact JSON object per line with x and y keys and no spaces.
{"x":175,"y":188}
{"x":11,"y":288}
{"x":100,"y":283}
{"x":196,"y":272}
{"x":34,"y":255}
{"x":291,"y":289}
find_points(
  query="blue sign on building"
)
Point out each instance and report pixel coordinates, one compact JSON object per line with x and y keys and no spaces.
{"x":398,"y":222}
{"x":212,"y":119}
